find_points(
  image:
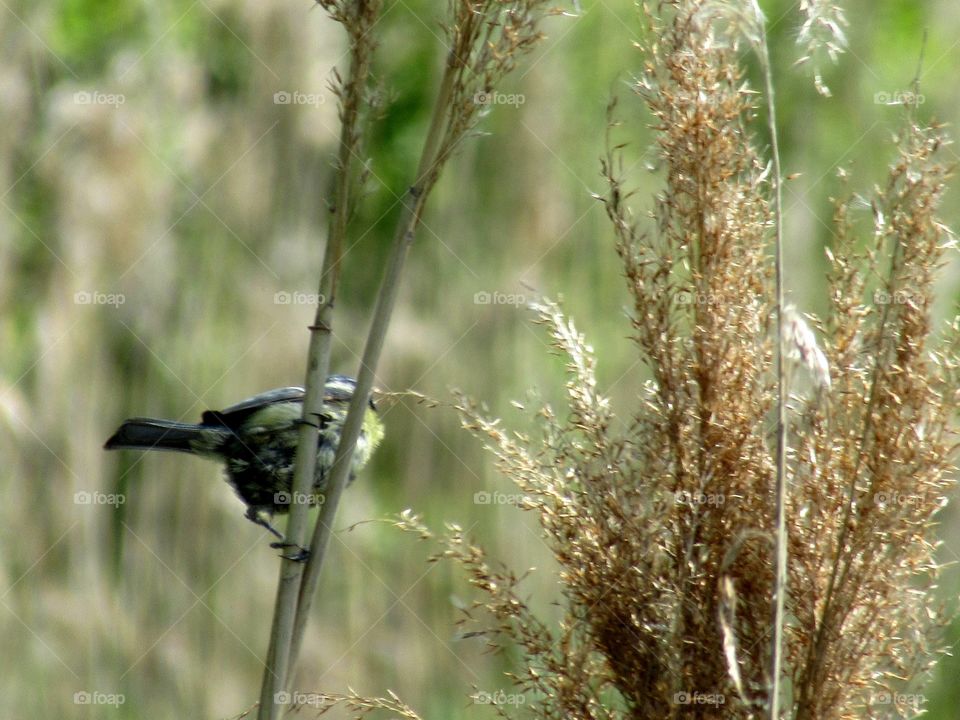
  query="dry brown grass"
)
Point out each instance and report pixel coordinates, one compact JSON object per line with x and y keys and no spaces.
{"x":662,"y":522}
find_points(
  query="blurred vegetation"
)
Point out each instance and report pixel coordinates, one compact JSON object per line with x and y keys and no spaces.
{"x":143,"y":158}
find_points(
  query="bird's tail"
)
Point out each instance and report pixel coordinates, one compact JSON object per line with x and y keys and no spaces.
{"x":150,"y":434}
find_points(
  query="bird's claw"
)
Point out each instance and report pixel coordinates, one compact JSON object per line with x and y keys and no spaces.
{"x":257,"y":516}
{"x":300,"y":554}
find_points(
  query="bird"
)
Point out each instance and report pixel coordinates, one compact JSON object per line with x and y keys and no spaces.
{"x":256,"y":440}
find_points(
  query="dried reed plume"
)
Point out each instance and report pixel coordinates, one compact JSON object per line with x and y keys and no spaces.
{"x":663,"y":522}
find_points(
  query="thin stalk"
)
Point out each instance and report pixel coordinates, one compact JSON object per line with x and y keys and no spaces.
{"x":841,"y":562}
{"x":838,"y":576}
{"x":780,"y":510}
{"x":386,"y":299}
{"x":318,"y":364}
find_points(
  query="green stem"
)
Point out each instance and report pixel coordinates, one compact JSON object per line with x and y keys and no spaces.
{"x":278,"y":667}
{"x":780,"y":508}
{"x":386,"y":300}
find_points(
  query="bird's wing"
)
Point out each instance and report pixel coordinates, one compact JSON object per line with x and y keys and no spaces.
{"x":339,"y":388}
{"x":236,"y":414}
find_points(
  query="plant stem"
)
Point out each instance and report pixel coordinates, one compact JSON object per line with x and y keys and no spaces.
{"x":780,"y":510}
{"x":278,"y":668}
{"x":406,"y":230}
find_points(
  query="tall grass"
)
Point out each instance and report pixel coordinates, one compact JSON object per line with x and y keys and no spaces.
{"x":663,"y":524}
{"x":164,"y":598}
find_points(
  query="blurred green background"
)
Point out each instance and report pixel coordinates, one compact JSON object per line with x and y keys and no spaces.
{"x":160,"y":206}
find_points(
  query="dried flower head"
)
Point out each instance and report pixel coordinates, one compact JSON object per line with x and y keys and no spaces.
{"x":821,"y":35}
